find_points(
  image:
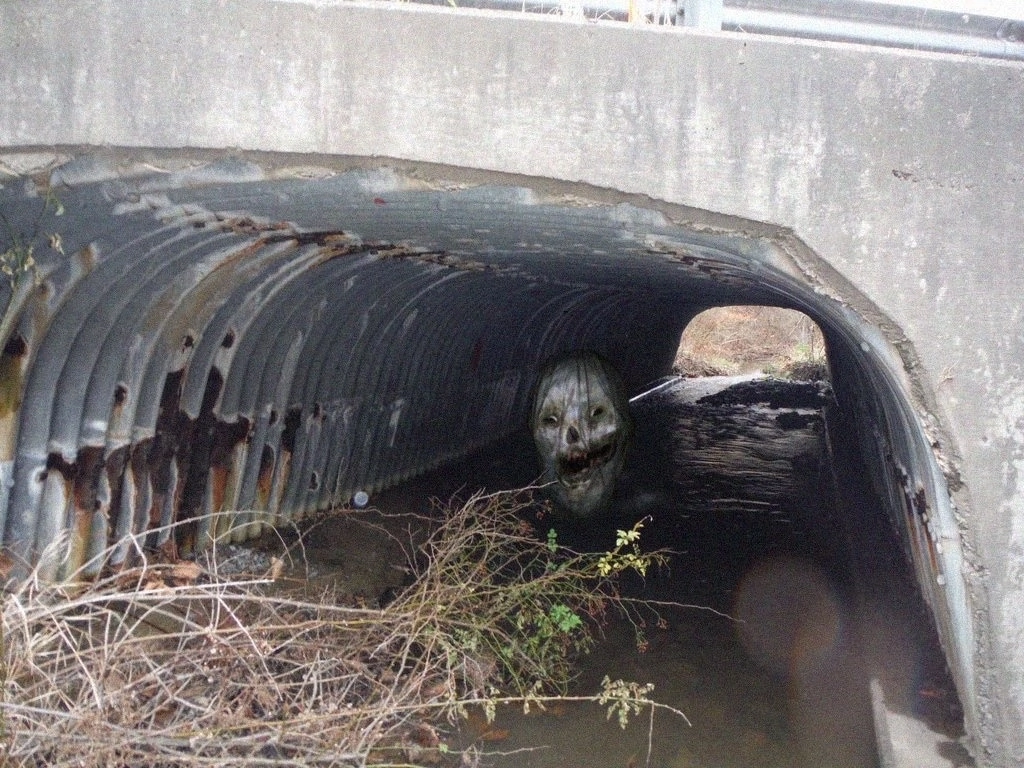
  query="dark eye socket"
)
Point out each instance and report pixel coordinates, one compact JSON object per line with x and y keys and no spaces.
{"x":549,"y":420}
{"x":597,"y":412}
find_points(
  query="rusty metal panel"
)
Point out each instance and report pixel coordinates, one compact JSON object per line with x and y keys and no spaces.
{"x":234,"y":351}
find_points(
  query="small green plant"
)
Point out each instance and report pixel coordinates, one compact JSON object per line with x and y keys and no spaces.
{"x":18,"y":260}
{"x":527,"y":607}
{"x":564,"y":620}
{"x":624,"y":698}
{"x":626,"y":554}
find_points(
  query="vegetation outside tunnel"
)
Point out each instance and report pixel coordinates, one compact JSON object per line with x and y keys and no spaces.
{"x":743,"y":339}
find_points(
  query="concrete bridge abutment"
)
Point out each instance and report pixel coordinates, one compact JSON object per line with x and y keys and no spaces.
{"x":636,"y":174}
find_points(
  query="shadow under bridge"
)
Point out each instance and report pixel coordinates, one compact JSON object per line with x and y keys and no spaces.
{"x":269,"y":348}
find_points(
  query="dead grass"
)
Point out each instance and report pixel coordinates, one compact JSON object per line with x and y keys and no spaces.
{"x":745,"y":339}
{"x":169,"y":664}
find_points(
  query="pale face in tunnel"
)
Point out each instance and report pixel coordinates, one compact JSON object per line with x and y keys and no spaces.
{"x":581,"y":425}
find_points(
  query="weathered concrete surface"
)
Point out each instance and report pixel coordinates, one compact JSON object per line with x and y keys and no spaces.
{"x":901,"y":171}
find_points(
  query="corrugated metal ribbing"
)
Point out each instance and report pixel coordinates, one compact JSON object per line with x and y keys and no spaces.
{"x":239,"y":351}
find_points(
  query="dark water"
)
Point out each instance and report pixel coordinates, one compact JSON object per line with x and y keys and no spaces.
{"x":769,"y":664}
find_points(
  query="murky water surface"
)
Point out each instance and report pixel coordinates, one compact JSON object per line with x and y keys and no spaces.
{"x":766,"y":665}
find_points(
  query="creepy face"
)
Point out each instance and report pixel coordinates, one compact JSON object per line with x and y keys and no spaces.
{"x":581,"y":424}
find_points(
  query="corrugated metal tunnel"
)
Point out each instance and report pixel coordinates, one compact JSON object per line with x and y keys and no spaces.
{"x":261,"y":345}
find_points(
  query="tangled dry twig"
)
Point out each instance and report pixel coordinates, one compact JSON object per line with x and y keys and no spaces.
{"x":170,"y":664}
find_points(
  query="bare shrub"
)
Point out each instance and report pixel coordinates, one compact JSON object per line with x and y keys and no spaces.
{"x":171,"y":664}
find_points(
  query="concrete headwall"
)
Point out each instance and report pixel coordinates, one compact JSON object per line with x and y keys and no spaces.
{"x":903,"y":172}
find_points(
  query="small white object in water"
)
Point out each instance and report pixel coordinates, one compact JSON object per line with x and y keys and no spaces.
{"x":361,"y":499}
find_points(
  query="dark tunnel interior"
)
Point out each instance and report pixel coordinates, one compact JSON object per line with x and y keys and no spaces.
{"x":230,"y":338}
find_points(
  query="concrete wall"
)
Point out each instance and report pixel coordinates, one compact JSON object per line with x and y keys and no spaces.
{"x":903,"y":172}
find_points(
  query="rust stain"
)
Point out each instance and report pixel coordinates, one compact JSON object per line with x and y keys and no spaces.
{"x":218,"y":484}
{"x":204,"y":450}
{"x":12,"y":382}
{"x":88,"y":465}
{"x":338,"y":243}
{"x":87,"y":258}
{"x":218,"y":481}
{"x":139,"y":459}
{"x":166,"y":462}
{"x":278,"y":485}
{"x":266,"y":477}
{"x":226,"y":439}
{"x":116,"y":465}
{"x":245,"y":225}
{"x":81,"y":480}
{"x":57,"y":466}
{"x":12,"y":362}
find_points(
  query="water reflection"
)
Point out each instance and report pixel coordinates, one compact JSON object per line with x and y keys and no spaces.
{"x":766,"y":663}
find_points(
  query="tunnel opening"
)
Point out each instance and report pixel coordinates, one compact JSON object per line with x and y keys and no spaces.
{"x":751,"y":339}
{"x":348,"y":333}
{"x":817,"y":628}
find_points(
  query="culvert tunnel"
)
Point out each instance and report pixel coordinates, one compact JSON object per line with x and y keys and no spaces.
{"x":230,"y":339}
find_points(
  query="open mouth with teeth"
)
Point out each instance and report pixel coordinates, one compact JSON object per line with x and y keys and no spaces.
{"x":581,"y":428}
{"x":576,"y":468}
